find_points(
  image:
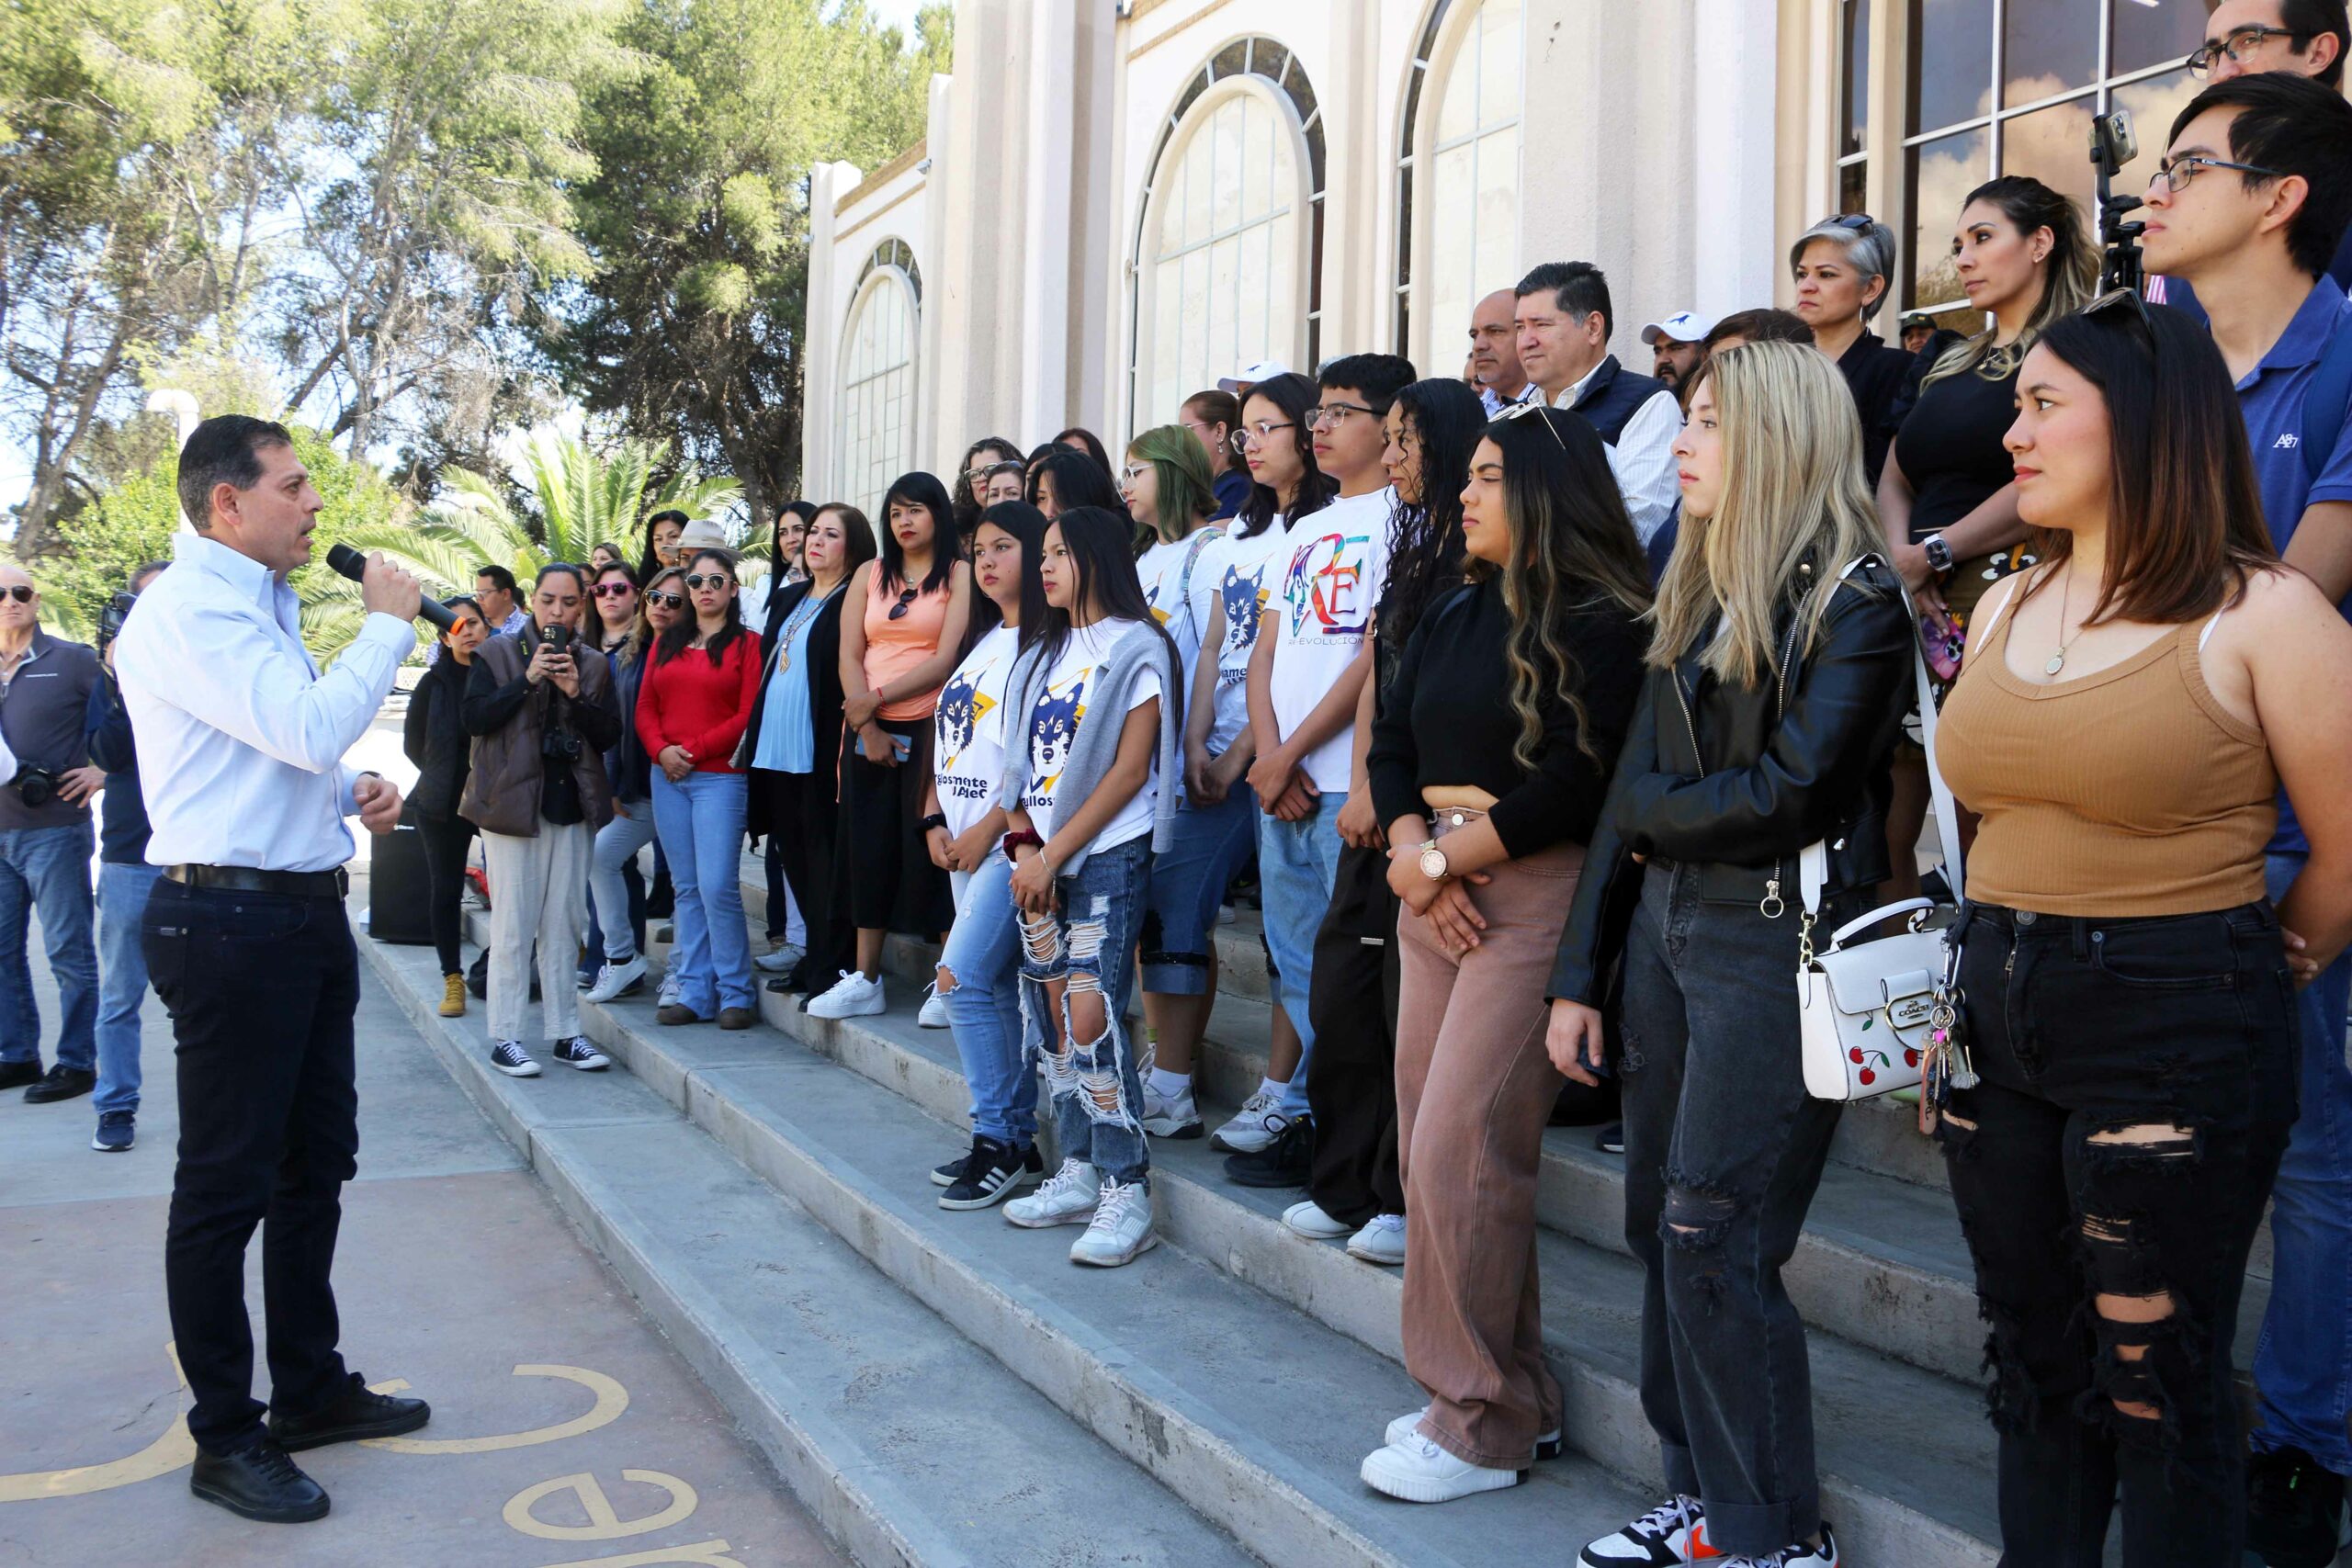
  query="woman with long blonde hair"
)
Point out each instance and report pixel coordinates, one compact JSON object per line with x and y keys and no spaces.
{"x":1777,"y":670}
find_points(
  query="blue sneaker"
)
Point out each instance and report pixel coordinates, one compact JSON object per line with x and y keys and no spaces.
{"x":116,"y":1131}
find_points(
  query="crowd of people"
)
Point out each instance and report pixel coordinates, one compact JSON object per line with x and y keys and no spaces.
{"x":1552,"y":713}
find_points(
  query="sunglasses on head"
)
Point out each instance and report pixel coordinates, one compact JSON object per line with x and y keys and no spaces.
{"x":21,"y":593}
{"x":1535,"y":409}
{"x":900,"y":609}
{"x":1858,"y":222}
{"x":667,"y":601}
{"x":612,"y":590}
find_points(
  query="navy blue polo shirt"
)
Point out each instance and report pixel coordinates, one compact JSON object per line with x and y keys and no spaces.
{"x":2271,"y":395}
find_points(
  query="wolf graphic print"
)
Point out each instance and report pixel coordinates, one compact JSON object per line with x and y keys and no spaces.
{"x":1053,"y":725}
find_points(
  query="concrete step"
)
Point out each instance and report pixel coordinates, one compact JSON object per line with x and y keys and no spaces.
{"x":1905,"y":1454}
{"x":910,"y":1443}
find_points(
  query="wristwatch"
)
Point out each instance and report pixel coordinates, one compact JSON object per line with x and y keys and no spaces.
{"x":1433,"y":865}
{"x":1939,"y":553}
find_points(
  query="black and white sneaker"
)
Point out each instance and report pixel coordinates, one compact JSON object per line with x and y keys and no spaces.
{"x":1800,"y":1556}
{"x":579,"y":1051}
{"x":992,"y":1173}
{"x":1670,"y":1536}
{"x":509,"y":1057}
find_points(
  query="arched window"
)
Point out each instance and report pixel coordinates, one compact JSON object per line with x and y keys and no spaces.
{"x":1231,"y":227}
{"x":876,"y":426}
{"x":1457,"y":234}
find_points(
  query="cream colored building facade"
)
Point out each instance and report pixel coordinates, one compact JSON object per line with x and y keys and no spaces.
{"x":1118,"y":201}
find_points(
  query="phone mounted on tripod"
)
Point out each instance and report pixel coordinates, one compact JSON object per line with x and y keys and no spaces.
{"x":2113,"y":145}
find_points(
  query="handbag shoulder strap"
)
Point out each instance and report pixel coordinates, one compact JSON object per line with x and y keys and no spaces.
{"x":1812,"y":866}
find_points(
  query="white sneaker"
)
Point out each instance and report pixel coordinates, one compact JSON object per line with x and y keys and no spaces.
{"x":672,"y":986}
{"x":1169,"y":1117}
{"x":1382,"y":1240}
{"x":1258,"y":1123}
{"x":1669,"y":1536}
{"x":1405,"y":1426}
{"x":509,"y":1057}
{"x":1308,"y":1220}
{"x":779,"y":959}
{"x":853,"y":995}
{"x":934,"y":1008}
{"x":1418,"y":1471}
{"x":1068,"y":1198}
{"x":1121,"y":1227}
{"x":1797,"y":1556}
{"x":617,"y":980}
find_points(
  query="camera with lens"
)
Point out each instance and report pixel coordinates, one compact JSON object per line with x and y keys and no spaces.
{"x":110,"y":619}
{"x":33,"y":786}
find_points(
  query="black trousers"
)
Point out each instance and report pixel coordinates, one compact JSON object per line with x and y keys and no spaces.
{"x":445,"y":885}
{"x":261,"y":987}
{"x":1351,"y":1073}
{"x":805,"y":814}
{"x":2139,"y":1082}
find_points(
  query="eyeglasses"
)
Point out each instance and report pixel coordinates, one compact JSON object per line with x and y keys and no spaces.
{"x":709,"y":580}
{"x":899,"y":610}
{"x":1330,"y":416}
{"x":667,"y":601}
{"x":1532,"y":408}
{"x":1248,"y":436}
{"x":21,"y":593}
{"x":611,"y":589}
{"x":2239,"y":46}
{"x":1134,"y":471}
{"x":2180,"y":171}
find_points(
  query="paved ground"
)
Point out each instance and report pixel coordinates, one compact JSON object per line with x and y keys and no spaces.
{"x":565,"y":1431}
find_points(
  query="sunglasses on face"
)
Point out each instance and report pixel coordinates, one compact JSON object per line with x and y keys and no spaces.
{"x":667,"y":601}
{"x":21,"y":593}
{"x":709,"y":580}
{"x":612,"y":590}
{"x":899,"y":610}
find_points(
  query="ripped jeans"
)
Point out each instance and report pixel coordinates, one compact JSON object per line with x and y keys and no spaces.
{"x":2138,"y":1080}
{"x":1089,"y":942}
{"x":1724,"y":1149}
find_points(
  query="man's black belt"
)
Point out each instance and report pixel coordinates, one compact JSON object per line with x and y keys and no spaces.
{"x":336,"y":884}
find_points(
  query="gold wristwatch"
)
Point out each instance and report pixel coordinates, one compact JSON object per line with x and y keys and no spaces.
{"x":1433,"y":865}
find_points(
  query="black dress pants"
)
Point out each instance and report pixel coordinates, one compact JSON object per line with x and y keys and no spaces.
{"x":805,"y":814}
{"x":445,"y":885}
{"x":1351,"y":1073}
{"x":261,"y":987}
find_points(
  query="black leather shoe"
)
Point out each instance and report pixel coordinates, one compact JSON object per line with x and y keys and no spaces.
{"x":1286,"y":1162}
{"x":60,"y":1082}
{"x":352,"y":1414}
{"x":258,"y":1482}
{"x":17,"y":1075}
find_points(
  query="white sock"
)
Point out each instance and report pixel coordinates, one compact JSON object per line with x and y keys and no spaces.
{"x":1171,"y":1086}
{"x":1271,"y":1086}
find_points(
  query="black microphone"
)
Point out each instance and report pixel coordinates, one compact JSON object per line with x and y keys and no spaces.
{"x":352,"y":565}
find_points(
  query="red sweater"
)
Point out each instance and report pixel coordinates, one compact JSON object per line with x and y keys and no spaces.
{"x":688,"y":702}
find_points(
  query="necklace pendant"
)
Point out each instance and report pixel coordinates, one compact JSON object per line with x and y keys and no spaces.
{"x":2057,"y":662}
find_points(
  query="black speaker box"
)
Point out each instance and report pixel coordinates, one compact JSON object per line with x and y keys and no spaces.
{"x":395,"y":888}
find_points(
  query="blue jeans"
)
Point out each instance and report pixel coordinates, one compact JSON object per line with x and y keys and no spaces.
{"x":701,"y":825}
{"x":610,"y":897}
{"x":49,"y":869}
{"x":1097,"y":1092}
{"x":122,"y":981}
{"x":1299,"y":863}
{"x":2302,"y":1362}
{"x":1187,"y":887}
{"x":983,"y":954}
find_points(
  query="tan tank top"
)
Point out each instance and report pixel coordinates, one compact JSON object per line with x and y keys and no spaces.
{"x":2128,"y":792}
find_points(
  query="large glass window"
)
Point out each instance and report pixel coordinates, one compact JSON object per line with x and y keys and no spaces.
{"x":2009,"y":88}
{"x":1459,"y":231}
{"x":875,"y":432}
{"x":1223,"y":254}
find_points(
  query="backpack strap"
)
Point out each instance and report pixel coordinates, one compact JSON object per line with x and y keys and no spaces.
{"x":1201,"y":538}
{"x":2324,"y":402}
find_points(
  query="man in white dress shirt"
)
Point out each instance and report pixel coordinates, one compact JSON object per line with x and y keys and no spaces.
{"x":241,"y":742}
{"x":1494,"y":352}
{"x":1564,"y":320}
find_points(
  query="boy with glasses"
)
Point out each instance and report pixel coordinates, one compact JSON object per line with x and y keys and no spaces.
{"x":2252,"y":202}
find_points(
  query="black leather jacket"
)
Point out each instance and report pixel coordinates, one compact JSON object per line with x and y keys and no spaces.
{"x":1738,"y":783}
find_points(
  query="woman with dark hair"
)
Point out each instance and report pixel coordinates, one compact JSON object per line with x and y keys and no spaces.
{"x":2128,"y":713}
{"x":981,"y":458}
{"x":963,"y":825}
{"x":1063,"y":478}
{"x":1774,"y":694}
{"x":1088,"y":795}
{"x":1948,"y":497}
{"x":691,"y":712}
{"x":792,"y":744}
{"x":662,"y":533}
{"x":433,"y":736}
{"x":785,"y":568}
{"x":615,"y":886}
{"x":1086,"y":441}
{"x":909,"y":609}
{"x":1213,"y":416}
{"x":614,"y":597}
{"x":615,"y":629}
{"x":604,"y":554}
{"x":1488,"y":763}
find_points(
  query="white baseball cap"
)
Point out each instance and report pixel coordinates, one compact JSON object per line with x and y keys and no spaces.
{"x":1683,"y":326}
{"x":1250,"y":375}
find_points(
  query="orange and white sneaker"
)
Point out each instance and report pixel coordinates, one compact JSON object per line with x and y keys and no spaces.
{"x":1671,"y":1535}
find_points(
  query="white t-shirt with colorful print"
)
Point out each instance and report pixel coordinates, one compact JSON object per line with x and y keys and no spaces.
{"x":967,"y":746}
{"x":1244,"y":572}
{"x":1052,"y":725}
{"x":1327,"y":580}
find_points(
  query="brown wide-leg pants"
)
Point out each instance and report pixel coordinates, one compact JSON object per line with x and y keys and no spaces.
{"x":1473,"y":1091}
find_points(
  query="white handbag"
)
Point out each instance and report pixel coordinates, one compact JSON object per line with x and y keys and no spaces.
{"x":1866,"y":1010}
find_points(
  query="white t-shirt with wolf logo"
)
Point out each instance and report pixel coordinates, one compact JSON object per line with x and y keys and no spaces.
{"x":967,"y":746}
{"x":1052,"y":725}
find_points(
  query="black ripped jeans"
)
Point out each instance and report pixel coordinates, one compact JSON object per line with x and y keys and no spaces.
{"x":1724,"y":1149}
{"x":2139,"y":1079}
